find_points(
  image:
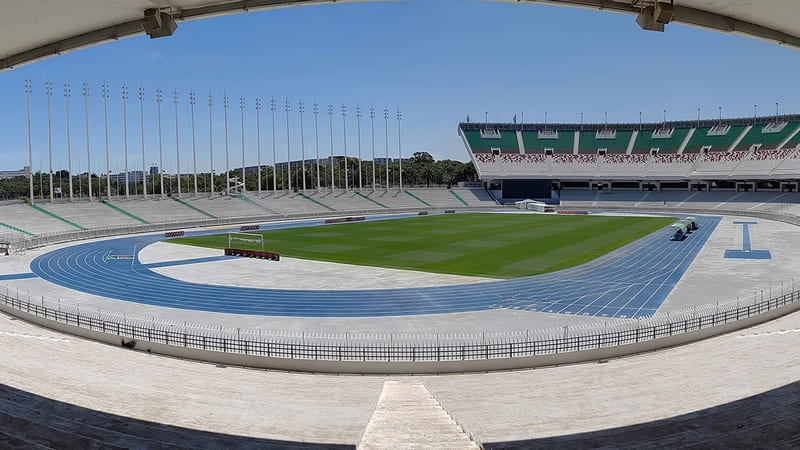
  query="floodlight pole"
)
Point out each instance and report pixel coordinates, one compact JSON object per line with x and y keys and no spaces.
{"x":30,"y":142}
{"x":241,"y":107}
{"x":211,"y":142}
{"x":125,"y":136}
{"x":288,"y":149}
{"x":194,"y":144}
{"x":48,"y":86}
{"x":177,"y":143}
{"x":227,"y":161}
{"x":358,"y":131}
{"x":88,"y":153}
{"x":330,"y":127}
{"x":344,"y":140}
{"x":302,"y":143}
{"x":105,"y":125}
{"x":258,"y":140}
{"x":372,"y":126}
{"x":399,"y":149}
{"x":386,"y":135}
{"x":274,"y":160}
{"x":159,"y":98}
{"x":69,"y":146}
{"x":141,"y":129}
{"x":316,"y":140}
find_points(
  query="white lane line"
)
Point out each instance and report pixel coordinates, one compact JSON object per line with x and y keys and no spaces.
{"x":32,"y":336}
{"x":768,"y":333}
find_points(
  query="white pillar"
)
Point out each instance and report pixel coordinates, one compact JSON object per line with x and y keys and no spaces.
{"x":302,"y":144}
{"x":88,"y":152}
{"x":159,"y":98}
{"x":69,"y":144}
{"x":177,"y":140}
{"x":125,"y":136}
{"x":141,"y":128}
{"x":358,"y":131}
{"x":30,"y":143}
{"x":194,"y":143}
{"x":49,"y":90}
{"x":258,"y":139}
{"x":211,"y":143}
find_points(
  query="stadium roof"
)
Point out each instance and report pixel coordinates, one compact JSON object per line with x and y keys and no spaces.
{"x":35,"y":29}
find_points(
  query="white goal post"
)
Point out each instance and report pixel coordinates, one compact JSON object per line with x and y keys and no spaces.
{"x":249,"y":238}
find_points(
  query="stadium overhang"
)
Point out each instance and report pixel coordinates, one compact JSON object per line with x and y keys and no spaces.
{"x":37,"y":29}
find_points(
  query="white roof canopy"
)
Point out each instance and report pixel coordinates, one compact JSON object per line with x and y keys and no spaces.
{"x":35,"y":29}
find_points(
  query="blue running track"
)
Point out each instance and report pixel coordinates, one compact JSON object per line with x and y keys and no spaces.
{"x":631,"y":281}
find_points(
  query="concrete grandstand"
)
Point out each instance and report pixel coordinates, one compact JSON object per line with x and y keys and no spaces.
{"x":738,"y":154}
{"x":63,"y":386}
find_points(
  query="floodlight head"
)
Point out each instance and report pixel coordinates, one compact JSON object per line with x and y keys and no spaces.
{"x":157,"y":23}
{"x":647,"y":21}
{"x":664,"y":12}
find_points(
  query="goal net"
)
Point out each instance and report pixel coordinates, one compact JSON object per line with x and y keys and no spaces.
{"x":246,"y":241}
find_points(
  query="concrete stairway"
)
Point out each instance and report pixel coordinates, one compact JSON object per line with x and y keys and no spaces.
{"x":407,"y":416}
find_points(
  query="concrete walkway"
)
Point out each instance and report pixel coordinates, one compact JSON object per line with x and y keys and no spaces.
{"x":493,"y":407}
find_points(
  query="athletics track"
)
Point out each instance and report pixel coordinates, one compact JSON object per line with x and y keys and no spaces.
{"x":629,"y":282}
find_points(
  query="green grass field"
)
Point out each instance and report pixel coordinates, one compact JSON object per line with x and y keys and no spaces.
{"x":488,"y":245}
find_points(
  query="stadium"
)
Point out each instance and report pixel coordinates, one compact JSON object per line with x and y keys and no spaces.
{"x":574,"y":284}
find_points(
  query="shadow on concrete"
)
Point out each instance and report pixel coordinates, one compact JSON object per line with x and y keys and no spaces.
{"x":770,"y":420}
{"x":31,"y":421}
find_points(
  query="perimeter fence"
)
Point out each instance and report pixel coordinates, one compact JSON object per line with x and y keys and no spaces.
{"x":406,"y":347}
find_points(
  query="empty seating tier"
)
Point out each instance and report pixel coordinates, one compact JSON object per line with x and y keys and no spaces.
{"x":648,"y":140}
{"x":612,"y":142}
{"x":705,"y":138}
{"x":506,"y":141}
{"x":557,"y":141}
{"x":761,"y":137}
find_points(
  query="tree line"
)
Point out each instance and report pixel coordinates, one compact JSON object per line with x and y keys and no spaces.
{"x":419,"y":170}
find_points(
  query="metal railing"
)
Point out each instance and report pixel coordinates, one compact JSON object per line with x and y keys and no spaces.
{"x":388,"y":347}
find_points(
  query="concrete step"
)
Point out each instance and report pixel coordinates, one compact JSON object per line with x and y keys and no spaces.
{"x":407,"y":416}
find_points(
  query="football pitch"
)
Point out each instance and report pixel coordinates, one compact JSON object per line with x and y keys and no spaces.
{"x":474,"y":244}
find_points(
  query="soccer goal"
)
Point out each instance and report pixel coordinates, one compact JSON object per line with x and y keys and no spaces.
{"x":246,"y":240}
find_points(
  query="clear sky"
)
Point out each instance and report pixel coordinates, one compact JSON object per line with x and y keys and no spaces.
{"x":437,"y":60}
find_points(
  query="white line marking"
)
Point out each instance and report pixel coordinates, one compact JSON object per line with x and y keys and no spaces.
{"x":31,"y":336}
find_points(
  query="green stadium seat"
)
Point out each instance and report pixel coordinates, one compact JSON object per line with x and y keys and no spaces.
{"x":646,"y":140}
{"x":561,"y":142}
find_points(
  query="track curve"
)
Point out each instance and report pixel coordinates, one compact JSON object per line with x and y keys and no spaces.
{"x":631,"y":281}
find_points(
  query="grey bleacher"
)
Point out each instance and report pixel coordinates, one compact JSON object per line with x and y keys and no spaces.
{"x":284,"y":202}
{"x":342,"y":200}
{"x":33,"y":421}
{"x":437,"y":197}
{"x":26,"y":218}
{"x":710,"y":200}
{"x":394,"y":198}
{"x":475,"y":197}
{"x":89,"y":214}
{"x":225,"y":206}
{"x":159,"y":210}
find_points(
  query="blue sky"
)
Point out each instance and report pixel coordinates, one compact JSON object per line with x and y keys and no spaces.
{"x":438,"y":61}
